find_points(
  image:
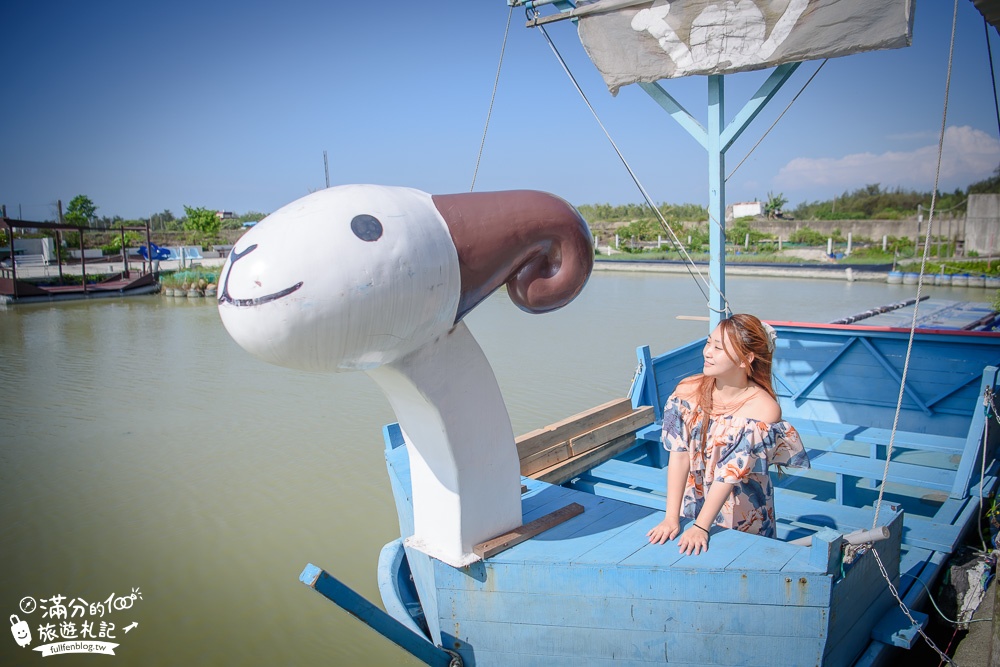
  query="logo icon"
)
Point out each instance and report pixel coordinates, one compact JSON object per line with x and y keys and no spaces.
{"x":22,"y":634}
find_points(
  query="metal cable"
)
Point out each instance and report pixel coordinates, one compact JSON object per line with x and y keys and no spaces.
{"x":496,"y":83}
{"x":909,"y":346}
{"x":763,"y":136}
{"x":689,"y":263}
{"x":923,"y":265}
{"x":993,"y":77}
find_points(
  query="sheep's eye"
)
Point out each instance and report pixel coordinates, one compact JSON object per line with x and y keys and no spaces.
{"x":366,"y":227}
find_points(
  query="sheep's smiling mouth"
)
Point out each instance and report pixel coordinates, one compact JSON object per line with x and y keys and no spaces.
{"x":240,"y":303}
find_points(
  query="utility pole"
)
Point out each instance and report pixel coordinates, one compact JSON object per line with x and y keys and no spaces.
{"x":326,"y":169}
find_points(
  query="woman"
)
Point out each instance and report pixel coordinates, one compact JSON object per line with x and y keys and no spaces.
{"x":723,"y":430}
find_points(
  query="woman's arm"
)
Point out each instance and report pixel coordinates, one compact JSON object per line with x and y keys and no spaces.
{"x":677,"y":473}
{"x":694,"y":540}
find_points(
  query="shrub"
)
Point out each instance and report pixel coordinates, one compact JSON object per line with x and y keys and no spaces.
{"x":807,"y":236}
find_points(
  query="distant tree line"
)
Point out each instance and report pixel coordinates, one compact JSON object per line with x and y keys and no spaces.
{"x":671,"y":212}
{"x":82,"y":211}
{"x":201,"y":225}
{"x":873,"y":202}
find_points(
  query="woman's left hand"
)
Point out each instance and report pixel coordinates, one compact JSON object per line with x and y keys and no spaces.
{"x":693,"y":541}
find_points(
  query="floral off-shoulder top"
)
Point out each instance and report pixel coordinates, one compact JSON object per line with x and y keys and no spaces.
{"x":738,"y":451}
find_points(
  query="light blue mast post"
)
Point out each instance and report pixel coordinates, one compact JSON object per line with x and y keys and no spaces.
{"x":716,"y":140}
{"x":716,"y":199}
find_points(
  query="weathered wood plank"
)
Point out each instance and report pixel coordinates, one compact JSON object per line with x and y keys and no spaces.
{"x":545,"y":458}
{"x":539,"y":502}
{"x":632,"y":474}
{"x":874,"y":435}
{"x":901,"y":473}
{"x":566,"y":470}
{"x":896,"y":629}
{"x":604,"y":519}
{"x":919,"y":532}
{"x":576,"y":608}
{"x":634,"y":647}
{"x":602,"y":434}
{"x":493,"y":546}
{"x":725,"y":548}
{"x":724,"y":586}
{"x":549,"y":436}
{"x":581,"y":438}
{"x":764,"y":554}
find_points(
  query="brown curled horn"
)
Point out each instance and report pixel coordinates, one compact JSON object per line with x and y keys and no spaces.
{"x":535,"y":242}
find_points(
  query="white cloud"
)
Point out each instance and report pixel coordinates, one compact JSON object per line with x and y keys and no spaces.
{"x":969,"y":155}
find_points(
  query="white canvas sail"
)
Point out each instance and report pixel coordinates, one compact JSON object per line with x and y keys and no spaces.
{"x":632,"y":41}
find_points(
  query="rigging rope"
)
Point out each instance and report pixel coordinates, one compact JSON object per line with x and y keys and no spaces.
{"x":909,"y":346}
{"x":801,"y":90}
{"x":689,"y":263}
{"x":993,"y":77}
{"x":496,"y":83}
{"x":923,"y":265}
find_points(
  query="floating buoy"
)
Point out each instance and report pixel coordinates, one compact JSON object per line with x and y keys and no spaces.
{"x":977,"y":281}
{"x":942,"y":279}
{"x":910,"y":278}
{"x":895,"y":277}
{"x":960,"y":280}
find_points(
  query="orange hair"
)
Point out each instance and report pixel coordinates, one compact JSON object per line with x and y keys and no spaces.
{"x":748,"y":336}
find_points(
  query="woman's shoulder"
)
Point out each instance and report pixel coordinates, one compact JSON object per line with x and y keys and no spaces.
{"x":761,"y":407}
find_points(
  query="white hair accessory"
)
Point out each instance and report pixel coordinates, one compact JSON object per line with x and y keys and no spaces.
{"x":772,"y":336}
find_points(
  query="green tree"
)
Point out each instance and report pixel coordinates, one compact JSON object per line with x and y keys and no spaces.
{"x":990,"y":185}
{"x":81,"y":211}
{"x":737,"y":231}
{"x":774,"y":204}
{"x":202,"y":220}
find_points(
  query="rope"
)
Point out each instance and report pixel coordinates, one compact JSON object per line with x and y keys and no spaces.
{"x":909,"y":348}
{"x":923,"y":266}
{"x":993,"y":78}
{"x":496,"y":83}
{"x":763,"y":136}
{"x":937,"y":608}
{"x":689,"y":263}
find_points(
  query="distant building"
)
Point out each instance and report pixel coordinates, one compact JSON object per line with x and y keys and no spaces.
{"x":744,"y":209}
{"x":225,"y":215}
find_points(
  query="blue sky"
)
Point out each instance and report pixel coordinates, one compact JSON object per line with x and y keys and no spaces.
{"x":230,"y":105}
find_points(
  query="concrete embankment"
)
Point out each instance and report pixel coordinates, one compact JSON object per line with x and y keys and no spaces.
{"x":776,"y":270}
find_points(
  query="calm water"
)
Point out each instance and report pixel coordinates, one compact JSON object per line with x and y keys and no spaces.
{"x":140,"y":448}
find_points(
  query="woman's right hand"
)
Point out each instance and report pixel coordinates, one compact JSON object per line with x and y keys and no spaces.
{"x":664,"y":531}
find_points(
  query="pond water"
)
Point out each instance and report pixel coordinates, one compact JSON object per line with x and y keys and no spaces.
{"x":145,"y":457}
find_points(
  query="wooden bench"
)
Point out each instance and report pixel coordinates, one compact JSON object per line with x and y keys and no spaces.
{"x":563,"y":450}
{"x":879,"y":437}
{"x":848,"y":467}
{"x":838,"y":433}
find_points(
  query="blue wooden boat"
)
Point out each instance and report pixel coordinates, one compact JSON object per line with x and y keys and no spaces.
{"x":542,"y":558}
{"x":592,"y":589}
